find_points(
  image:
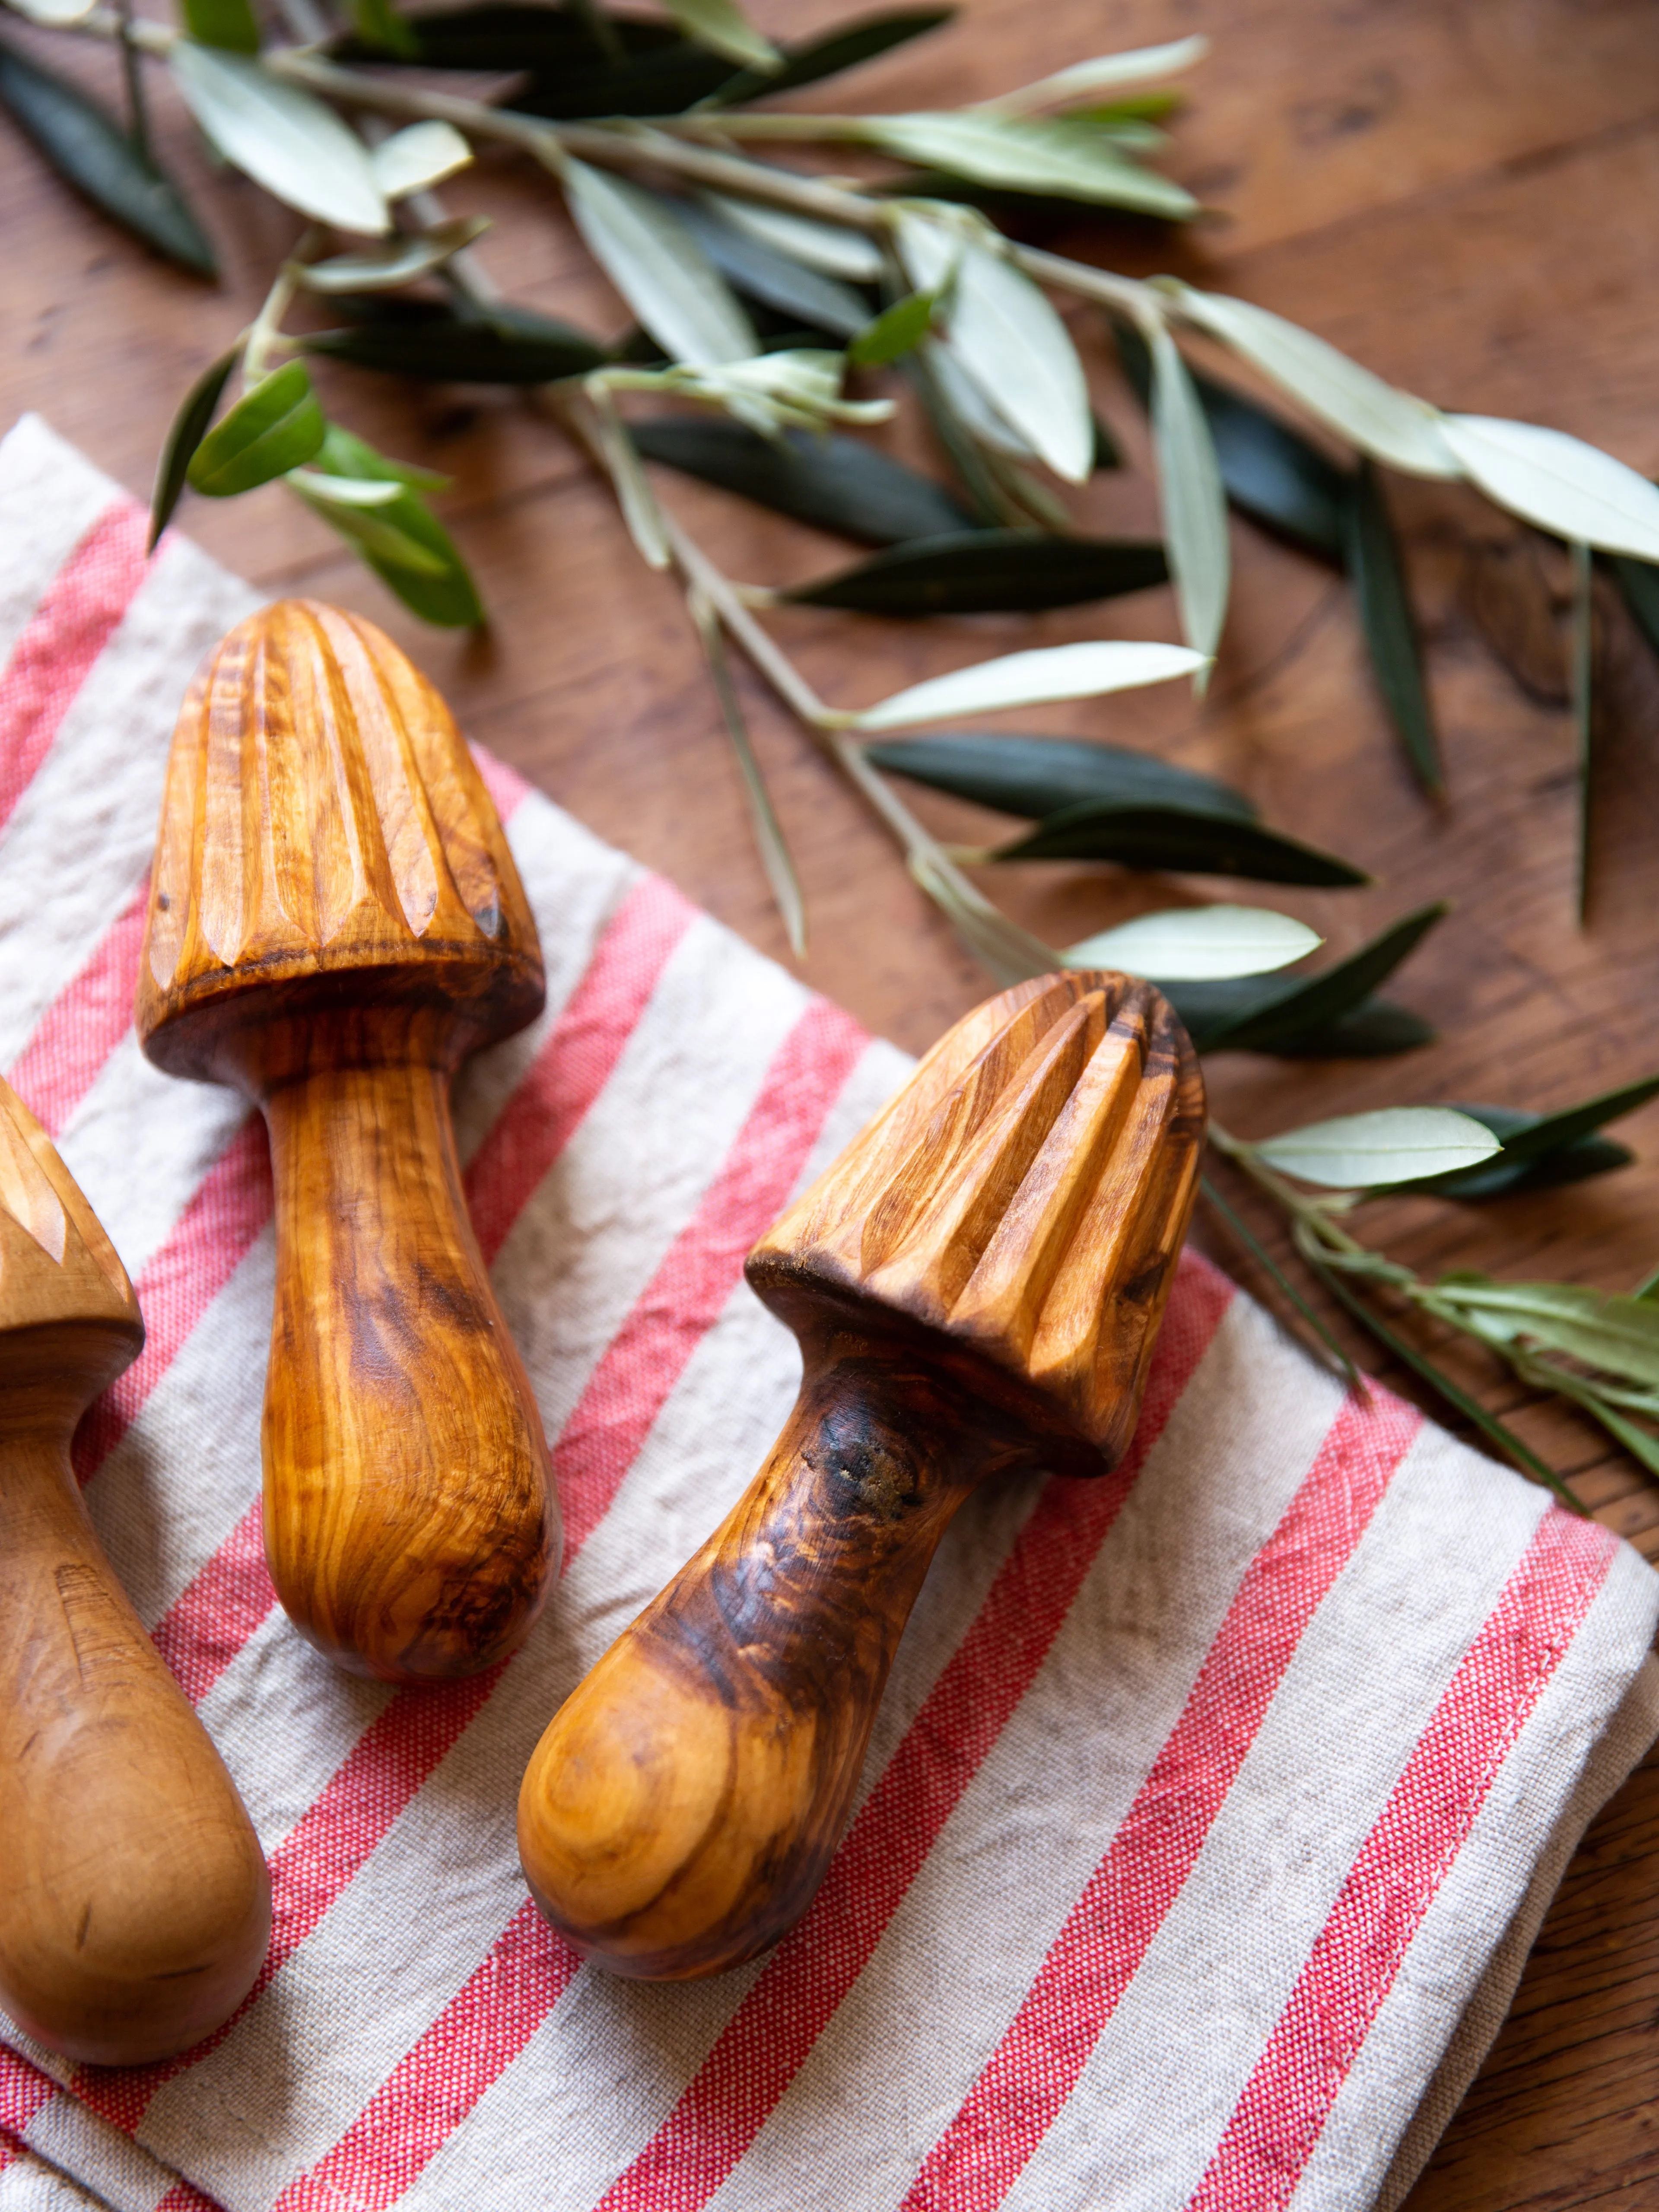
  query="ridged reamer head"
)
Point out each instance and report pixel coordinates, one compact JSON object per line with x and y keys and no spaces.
{"x":326,"y":834}
{"x":56,"y":1265}
{"x":1023,"y":1199}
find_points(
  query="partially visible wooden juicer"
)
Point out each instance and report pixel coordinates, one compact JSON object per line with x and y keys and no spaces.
{"x":335,"y":923}
{"x":135,"y":1906}
{"x":976,"y":1284}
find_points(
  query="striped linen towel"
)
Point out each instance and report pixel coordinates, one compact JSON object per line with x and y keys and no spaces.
{"x":1213,"y":1806}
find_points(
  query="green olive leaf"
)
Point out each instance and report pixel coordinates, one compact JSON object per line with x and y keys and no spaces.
{"x":503,"y":345}
{"x":1271,"y":471}
{"x":1542,"y":1150}
{"x":413,"y":254}
{"x":759,"y":269}
{"x":275,"y":427}
{"x":1390,"y":425}
{"x":987,"y":571}
{"x":1039,"y":776}
{"x":834,"y":483}
{"x":897,"y":331}
{"x":1304,"y":1016}
{"x":1394,"y":1144}
{"x":1053,"y":155}
{"x":417,"y":157}
{"x":1192,"y":839}
{"x":651,"y":256}
{"x":1558,"y":484}
{"x":281,"y":137}
{"x":400,"y":538}
{"x":1194,"y":502}
{"x":1385,"y":612}
{"x":382,"y":28}
{"x":1083,"y":670}
{"x":1205,"y":944}
{"x":1616,"y":1335}
{"x":722,"y":27}
{"x":860,"y":41}
{"x":90,"y":150}
{"x":228,"y":23}
{"x":190,"y":427}
{"x":820,"y":246}
{"x":1006,"y":338}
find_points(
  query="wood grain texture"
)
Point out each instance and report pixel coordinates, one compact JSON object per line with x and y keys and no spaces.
{"x":1460,"y":197}
{"x":135,"y":1906}
{"x":977,"y":1285}
{"x":334,"y":921}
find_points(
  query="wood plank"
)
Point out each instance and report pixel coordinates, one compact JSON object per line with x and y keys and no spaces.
{"x":1458,"y":197}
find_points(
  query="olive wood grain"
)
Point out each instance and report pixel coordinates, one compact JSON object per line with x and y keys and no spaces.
{"x":335,"y":922}
{"x":135,"y":1906}
{"x":977,"y":1285}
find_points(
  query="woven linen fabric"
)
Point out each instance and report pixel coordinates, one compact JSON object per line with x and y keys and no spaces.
{"x":1212,"y":1803}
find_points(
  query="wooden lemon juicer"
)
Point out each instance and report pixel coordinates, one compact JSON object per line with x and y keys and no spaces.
{"x":335,"y":923}
{"x":977,"y":1285}
{"x":134,"y":1907}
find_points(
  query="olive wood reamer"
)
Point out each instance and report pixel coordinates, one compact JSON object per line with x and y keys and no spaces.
{"x":335,"y":922}
{"x":135,"y":1906}
{"x":977,"y":1285}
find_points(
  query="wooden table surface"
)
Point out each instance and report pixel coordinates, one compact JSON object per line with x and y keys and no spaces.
{"x":1463,"y":193}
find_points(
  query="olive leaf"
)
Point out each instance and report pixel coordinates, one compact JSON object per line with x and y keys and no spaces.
{"x":1385,"y":612}
{"x":1194,"y":504}
{"x":1084,"y":671}
{"x":1541,"y":1150}
{"x":1389,"y":424}
{"x":1311,"y":1014}
{"x":1102,"y":73}
{"x":400,"y":538}
{"x":1558,"y":483}
{"x":275,"y":427}
{"x":383,"y":30}
{"x":283,"y":137}
{"x":722,"y":27}
{"x":502,"y":344}
{"x":835,"y":483}
{"x":1038,"y":776}
{"x":897,"y":331}
{"x":503,"y":35}
{"x":1201,"y":943}
{"x":819,"y":245}
{"x":190,"y":427}
{"x":1615,"y":1334}
{"x":230,"y":24}
{"x":1190,"y":838}
{"x":415,"y":253}
{"x":417,"y":157}
{"x":1582,"y":672}
{"x":1471,"y":1409}
{"x":658,"y":266}
{"x":861,"y":40}
{"x":1638,"y":587}
{"x":760,"y":269}
{"x":1057,"y":156}
{"x":90,"y":149}
{"x":1271,"y":471}
{"x":981,"y":571}
{"x":1394,"y":1145}
{"x":1007,"y":340}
